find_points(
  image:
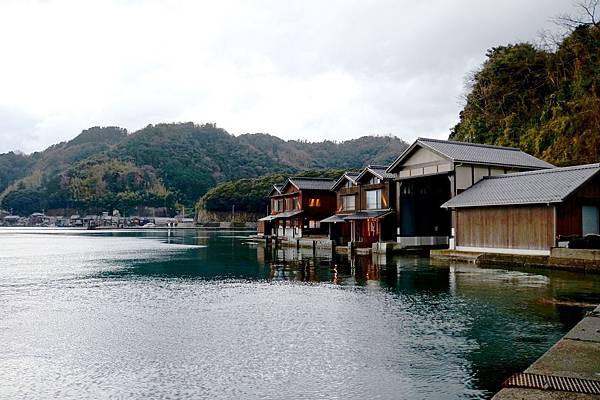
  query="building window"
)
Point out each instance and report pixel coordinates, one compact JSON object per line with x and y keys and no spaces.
{"x":314,"y":202}
{"x":314,"y":224}
{"x":374,"y":180}
{"x":292,"y":204}
{"x":349,"y":203}
{"x":591,"y":220}
{"x":275,"y":206}
{"x":373,"y":199}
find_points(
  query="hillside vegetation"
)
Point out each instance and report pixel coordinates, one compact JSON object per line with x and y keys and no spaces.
{"x":546,"y":103}
{"x":250,"y":195}
{"x":162,"y":165}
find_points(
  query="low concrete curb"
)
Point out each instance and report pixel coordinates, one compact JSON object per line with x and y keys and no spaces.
{"x":564,"y":259}
{"x":576,"y":355}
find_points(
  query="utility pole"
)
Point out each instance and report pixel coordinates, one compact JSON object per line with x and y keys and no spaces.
{"x":232,"y":212}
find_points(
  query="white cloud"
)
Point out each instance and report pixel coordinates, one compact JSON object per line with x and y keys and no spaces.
{"x":312,"y":70}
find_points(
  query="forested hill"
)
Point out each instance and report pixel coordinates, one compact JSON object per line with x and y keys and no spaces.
{"x":250,"y":195}
{"x":545,"y":102}
{"x":163,"y":164}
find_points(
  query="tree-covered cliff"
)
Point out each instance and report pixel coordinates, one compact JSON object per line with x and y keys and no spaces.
{"x":544,"y":102}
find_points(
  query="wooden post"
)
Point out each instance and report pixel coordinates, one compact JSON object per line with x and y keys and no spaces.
{"x":398,"y":210}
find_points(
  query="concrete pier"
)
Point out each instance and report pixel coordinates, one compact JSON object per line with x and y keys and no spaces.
{"x":576,"y":355}
{"x":566,"y":259}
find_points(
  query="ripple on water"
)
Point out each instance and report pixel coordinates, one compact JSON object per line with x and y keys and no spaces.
{"x":72,"y":326}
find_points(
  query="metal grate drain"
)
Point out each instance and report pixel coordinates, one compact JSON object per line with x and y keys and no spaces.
{"x":549,"y":382}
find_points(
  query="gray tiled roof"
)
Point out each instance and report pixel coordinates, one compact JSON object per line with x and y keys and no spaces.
{"x":381,"y":170}
{"x":476,"y":154}
{"x":378,"y":170}
{"x":307,"y":183}
{"x":532,"y":187}
{"x":276,"y":188}
{"x":347,"y":175}
{"x":368,"y":214}
{"x":485,"y":154}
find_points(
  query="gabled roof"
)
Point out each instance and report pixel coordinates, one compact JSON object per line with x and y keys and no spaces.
{"x":276,"y":189}
{"x":379,"y":171}
{"x":475,"y":153}
{"x":532,"y":187}
{"x":351,"y":176}
{"x":308,"y":183}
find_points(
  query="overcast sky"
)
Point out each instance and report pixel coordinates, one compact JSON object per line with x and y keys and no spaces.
{"x":296,"y":69}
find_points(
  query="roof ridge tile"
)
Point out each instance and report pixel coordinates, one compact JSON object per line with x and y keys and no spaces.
{"x":457,"y":142}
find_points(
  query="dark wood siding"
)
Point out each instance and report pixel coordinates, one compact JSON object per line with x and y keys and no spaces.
{"x":327,"y":205}
{"x":568,"y":214}
{"x":522,"y":227}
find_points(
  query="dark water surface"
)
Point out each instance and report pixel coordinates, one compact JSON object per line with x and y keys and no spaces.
{"x":209,"y":315}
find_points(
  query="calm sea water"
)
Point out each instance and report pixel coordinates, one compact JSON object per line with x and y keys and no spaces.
{"x":202,"y":314}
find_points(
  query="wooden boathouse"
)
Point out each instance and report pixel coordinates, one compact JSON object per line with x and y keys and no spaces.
{"x":264,"y":226}
{"x":430,"y":172}
{"x":527,"y":213}
{"x":347,"y":195}
{"x":364,"y":212}
{"x":298,"y":206}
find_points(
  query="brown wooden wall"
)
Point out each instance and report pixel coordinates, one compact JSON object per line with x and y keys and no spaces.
{"x":388,"y":192}
{"x":327,"y":208}
{"x":516,"y":227}
{"x":568,"y":214}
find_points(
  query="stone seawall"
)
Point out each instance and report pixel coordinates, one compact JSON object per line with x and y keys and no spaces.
{"x":569,"y":370}
{"x":559,"y":258}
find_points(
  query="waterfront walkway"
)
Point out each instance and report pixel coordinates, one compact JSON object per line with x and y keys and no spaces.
{"x":572,"y":364}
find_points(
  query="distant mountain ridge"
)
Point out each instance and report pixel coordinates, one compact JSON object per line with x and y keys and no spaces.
{"x":164,"y":164}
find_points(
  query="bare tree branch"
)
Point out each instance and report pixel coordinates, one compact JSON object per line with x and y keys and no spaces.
{"x":586,"y":16}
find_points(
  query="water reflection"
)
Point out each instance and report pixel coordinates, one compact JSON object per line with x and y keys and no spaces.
{"x":511,"y":316}
{"x":202,"y":314}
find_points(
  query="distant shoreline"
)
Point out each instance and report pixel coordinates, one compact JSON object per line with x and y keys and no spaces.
{"x":154,"y":228}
